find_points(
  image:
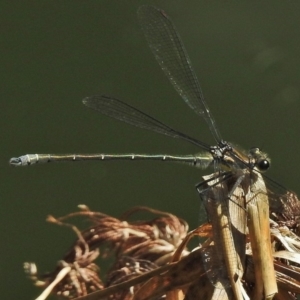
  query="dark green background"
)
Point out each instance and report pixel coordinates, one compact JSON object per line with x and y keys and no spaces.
{"x":54,"y":53}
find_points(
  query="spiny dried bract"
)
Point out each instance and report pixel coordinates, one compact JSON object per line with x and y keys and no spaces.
{"x":151,"y":259}
{"x":285,"y":209}
{"x":138,"y":247}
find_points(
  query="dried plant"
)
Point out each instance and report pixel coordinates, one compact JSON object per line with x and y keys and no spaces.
{"x":152,"y":261}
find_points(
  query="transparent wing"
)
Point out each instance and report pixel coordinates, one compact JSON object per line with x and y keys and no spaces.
{"x":122,"y":111}
{"x":284,"y":204}
{"x":170,"y":53}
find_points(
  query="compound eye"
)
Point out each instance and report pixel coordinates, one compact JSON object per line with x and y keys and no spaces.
{"x":263,"y":165}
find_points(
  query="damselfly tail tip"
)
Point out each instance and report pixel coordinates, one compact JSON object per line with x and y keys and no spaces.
{"x":85,"y":100}
{"x":15,"y":161}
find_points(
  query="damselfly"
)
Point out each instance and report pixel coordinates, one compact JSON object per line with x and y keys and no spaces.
{"x":169,"y":51}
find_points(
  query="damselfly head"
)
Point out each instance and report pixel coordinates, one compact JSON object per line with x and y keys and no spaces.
{"x":259,"y":159}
